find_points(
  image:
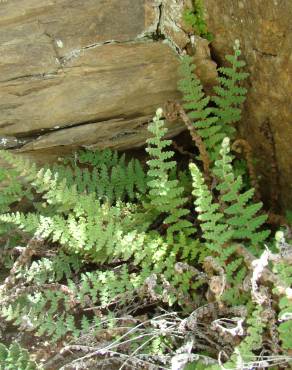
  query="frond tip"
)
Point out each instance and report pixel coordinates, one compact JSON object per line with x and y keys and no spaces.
{"x":166,"y":196}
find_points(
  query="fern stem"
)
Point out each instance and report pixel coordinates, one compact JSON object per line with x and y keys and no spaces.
{"x":204,"y":156}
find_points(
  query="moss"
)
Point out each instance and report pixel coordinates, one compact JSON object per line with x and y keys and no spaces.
{"x":195,"y":18}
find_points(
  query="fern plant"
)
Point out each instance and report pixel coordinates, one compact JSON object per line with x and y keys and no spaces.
{"x":229,"y":94}
{"x":79,"y":222}
{"x":48,"y":270}
{"x":11,"y":189}
{"x":121,"y":243}
{"x":244,"y":355}
{"x":15,"y":357}
{"x":228,"y":221}
{"x":285,"y":326}
{"x":218,"y":235}
{"x":55,"y":310}
{"x":214,"y":123}
{"x":232,"y":218}
{"x":166,"y":196}
{"x":240,"y":214}
{"x":111,"y":178}
{"x":12,"y":192}
{"x":197,"y":104}
{"x":195,"y":18}
{"x":283,"y":270}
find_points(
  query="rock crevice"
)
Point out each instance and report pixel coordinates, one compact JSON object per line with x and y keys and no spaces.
{"x":265,"y":33}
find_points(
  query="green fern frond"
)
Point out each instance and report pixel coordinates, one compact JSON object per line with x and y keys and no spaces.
{"x":283,"y":270}
{"x":239,"y":213}
{"x":54,"y":269}
{"x":285,"y":327}
{"x":50,"y":311}
{"x":196,"y":103}
{"x":230,"y":95}
{"x":166,"y":196}
{"x":213,"y":124}
{"x":111,"y":181}
{"x":15,"y":357}
{"x":253,"y":340}
{"x":219,"y":236}
{"x":215,"y":230}
{"x":27,"y":222}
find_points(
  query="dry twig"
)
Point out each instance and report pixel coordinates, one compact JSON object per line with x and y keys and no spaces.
{"x":23,"y":259}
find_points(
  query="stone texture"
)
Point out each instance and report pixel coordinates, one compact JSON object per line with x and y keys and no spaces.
{"x":118,"y":134}
{"x":264,"y":29}
{"x":40,"y":35}
{"x":89,"y":73}
{"x":102,"y":83}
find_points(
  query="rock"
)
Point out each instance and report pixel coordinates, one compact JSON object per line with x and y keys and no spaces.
{"x":85,"y":73}
{"x":101,"y":84}
{"x":172,"y":23}
{"x":118,"y":134}
{"x":264,"y":31}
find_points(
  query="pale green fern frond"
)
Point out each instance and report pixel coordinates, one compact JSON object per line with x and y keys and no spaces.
{"x":54,"y":269}
{"x":54,"y":309}
{"x":218,"y":235}
{"x":215,"y":231}
{"x":166,"y":196}
{"x":244,"y":354}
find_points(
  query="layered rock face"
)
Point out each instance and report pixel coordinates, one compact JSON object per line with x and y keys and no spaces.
{"x":264,"y":30}
{"x":88,"y":73}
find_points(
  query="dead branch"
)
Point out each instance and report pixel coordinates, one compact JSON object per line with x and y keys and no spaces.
{"x":24,"y":258}
{"x":181,"y":150}
{"x":267,"y":275}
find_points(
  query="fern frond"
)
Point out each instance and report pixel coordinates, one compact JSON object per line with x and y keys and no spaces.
{"x":252,"y":342}
{"x":215,"y":230}
{"x":166,"y":196}
{"x":111,"y":181}
{"x":230,"y":95}
{"x":49,"y":270}
{"x":240,"y":214}
{"x":27,"y":222}
{"x":100,"y":158}
{"x":196,"y":103}
{"x":49,"y":309}
{"x":15,"y":357}
{"x":285,"y":318}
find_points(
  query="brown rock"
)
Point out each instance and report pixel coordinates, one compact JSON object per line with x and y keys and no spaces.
{"x":115,"y":134}
{"x":86,"y":73}
{"x":102,"y":83}
{"x":263,"y":28}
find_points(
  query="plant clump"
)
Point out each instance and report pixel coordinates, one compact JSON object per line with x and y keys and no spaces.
{"x":116,"y":263}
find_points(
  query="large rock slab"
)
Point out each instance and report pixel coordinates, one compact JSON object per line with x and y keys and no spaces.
{"x":265,"y":33}
{"x":38,"y":36}
{"x":89,"y":73}
{"x":102,"y":83}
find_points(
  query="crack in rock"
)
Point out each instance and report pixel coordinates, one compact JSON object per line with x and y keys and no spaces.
{"x":164,"y":27}
{"x":165,"y":24}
